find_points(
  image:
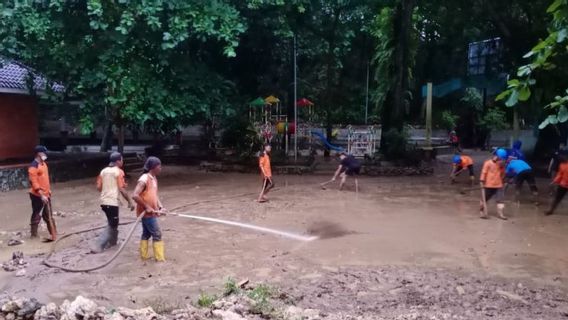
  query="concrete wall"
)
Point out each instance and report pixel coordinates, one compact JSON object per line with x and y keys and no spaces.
{"x":18,"y":126}
{"x":77,"y":166}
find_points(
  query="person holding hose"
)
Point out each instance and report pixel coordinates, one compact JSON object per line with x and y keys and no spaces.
{"x":519,"y":171}
{"x":561,"y":180}
{"x":461,"y":163}
{"x":266,"y":172}
{"x":111,"y":185}
{"x":491,"y":183}
{"x":148,"y":203}
{"x":40,"y":194}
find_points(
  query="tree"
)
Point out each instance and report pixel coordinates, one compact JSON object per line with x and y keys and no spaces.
{"x":547,"y":66}
{"x":135,"y":61}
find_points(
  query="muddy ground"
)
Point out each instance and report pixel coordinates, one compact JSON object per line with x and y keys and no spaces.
{"x":401,"y":248}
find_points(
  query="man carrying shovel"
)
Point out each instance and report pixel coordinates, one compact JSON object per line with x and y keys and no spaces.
{"x":491,"y":183}
{"x":40,"y":194}
{"x":111,"y":185}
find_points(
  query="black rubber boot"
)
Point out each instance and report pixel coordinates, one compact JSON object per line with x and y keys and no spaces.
{"x":113,"y":240}
{"x":33,"y":230}
{"x":102,"y":242}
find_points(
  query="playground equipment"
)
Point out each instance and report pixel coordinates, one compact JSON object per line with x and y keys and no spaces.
{"x":361,"y":143}
{"x":271,"y":123}
{"x":328,"y":145}
{"x":303,"y":103}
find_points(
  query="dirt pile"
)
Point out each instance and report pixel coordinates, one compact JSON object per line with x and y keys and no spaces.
{"x":417,"y":293}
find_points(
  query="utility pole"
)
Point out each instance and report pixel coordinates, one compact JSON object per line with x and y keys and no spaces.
{"x":295,"y":105}
{"x":367,"y":96}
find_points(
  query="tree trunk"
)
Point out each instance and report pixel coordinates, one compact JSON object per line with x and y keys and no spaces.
{"x":121,"y":138}
{"x":396,"y":99}
{"x":329,"y":77}
{"x":106,"y":142}
{"x":402,"y":33}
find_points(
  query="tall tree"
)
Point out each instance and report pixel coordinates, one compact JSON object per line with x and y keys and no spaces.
{"x":140,"y":61}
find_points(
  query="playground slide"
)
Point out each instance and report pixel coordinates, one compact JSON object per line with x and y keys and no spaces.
{"x":327,"y":144}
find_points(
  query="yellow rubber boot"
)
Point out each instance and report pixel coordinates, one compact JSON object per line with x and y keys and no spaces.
{"x":144,"y":250}
{"x":159,"y":251}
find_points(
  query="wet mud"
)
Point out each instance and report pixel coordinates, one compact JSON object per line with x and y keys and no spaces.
{"x":420,"y":226}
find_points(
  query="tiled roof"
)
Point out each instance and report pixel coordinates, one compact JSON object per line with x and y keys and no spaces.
{"x":13,"y":76}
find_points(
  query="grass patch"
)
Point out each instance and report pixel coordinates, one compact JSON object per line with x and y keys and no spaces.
{"x":261,"y":296}
{"x":205,"y":300}
{"x":163,"y":306}
{"x":230,"y":287}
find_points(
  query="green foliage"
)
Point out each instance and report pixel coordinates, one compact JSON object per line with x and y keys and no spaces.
{"x":394,"y":143}
{"x":448,"y":120}
{"x":162,"y":305}
{"x":205,"y":300}
{"x":140,"y":61}
{"x":494,"y":119}
{"x":242,"y":136}
{"x":384,"y":51}
{"x":383,"y":30}
{"x":472,"y":98}
{"x":261,"y":296}
{"x":230,"y":287}
{"x":547,"y":58}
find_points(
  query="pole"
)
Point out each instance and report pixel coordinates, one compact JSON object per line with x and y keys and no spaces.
{"x":367,"y":96}
{"x":429,"y":115}
{"x":295,"y":105}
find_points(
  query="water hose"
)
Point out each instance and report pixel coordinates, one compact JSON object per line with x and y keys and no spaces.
{"x":100,"y":266}
{"x":135,"y":223}
{"x":130,"y":232}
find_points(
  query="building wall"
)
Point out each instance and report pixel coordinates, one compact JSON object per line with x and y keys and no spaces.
{"x":18,"y":125}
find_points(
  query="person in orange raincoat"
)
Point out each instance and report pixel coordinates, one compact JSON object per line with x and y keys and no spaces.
{"x":40,"y":194}
{"x":561,"y":180}
{"x":266,"y":172}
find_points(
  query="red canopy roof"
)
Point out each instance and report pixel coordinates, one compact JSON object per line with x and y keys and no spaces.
{"x":304,"y":103}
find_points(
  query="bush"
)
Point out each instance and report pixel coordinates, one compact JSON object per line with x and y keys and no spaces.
{"x":448,"y":120}
{"x":243,"y":137}
{"x":205,"y":300}
{"x":394,"y":144}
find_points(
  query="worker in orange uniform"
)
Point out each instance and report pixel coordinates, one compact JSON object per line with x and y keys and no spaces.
{"x":461,"y":163}
{"x":561,"y":180}
{"x":40,"y":194}
{"x":148,"y":204}
{"x":491,"y":182}
{"x":266,"y":172}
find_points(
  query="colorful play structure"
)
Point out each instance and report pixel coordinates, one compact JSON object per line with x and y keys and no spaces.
{"x":271,"y":122}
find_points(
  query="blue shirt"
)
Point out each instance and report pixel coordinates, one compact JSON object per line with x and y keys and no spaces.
{"x":517,"y":153}
{"x":515,"y":167}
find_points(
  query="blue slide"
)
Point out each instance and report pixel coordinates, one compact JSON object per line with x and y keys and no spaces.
{"x":327,"y":144}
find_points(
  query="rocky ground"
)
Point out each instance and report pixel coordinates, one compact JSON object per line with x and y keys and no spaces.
{"x":393,"y":293}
